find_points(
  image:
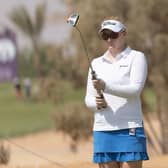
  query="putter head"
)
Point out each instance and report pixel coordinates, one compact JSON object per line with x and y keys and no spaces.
{"x":73,"y":19}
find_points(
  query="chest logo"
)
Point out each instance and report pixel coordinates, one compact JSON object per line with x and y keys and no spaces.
{"x":123,"y":65}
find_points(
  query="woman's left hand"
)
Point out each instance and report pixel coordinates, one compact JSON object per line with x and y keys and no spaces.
{"x":100,"y":102}
{"x":99,"y":84}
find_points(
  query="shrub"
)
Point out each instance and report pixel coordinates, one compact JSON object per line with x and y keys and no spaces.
{"x":4,"y":154}
{"x":75,"y":120}
{"x":51,"y":88}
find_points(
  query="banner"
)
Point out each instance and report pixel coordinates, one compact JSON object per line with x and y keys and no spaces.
{"x":8,"y":53}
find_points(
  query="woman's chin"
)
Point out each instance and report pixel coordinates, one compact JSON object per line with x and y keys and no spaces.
{"x":111,"y":47}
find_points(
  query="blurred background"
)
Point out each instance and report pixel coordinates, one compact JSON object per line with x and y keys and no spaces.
{"x":43,"y":71}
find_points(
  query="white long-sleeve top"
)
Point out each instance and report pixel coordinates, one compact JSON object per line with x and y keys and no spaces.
{"x":124,"y":80}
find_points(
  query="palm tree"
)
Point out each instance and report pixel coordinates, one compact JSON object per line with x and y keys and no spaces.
{"x":32,"y":28}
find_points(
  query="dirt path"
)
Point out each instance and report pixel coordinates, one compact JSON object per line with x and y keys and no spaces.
{"x":50,"y":145}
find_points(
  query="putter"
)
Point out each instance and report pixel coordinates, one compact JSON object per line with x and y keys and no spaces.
{"x":73,"y":20}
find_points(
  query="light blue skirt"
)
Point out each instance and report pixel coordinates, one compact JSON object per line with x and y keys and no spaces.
{"x":120,"y":146}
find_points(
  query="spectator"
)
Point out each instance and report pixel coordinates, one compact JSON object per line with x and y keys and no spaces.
{"x":17,"y":86}
{"x":27,"y":85}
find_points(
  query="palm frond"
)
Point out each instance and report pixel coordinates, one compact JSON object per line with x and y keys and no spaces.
{"x":40,"y":17}
{"x":21,"y":18}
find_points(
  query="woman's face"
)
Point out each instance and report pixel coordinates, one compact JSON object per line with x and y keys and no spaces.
{"x":113,"y":39}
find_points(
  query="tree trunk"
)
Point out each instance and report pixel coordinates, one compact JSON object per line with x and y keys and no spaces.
{"x":161,"y":88}
{"x":37,"y":63}
{"x":164,"y":117}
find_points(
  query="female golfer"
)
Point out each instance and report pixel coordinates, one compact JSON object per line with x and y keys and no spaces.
{"x":119,"y":138}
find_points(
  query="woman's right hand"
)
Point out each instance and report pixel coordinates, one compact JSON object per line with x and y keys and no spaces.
{"x":100,"y":102}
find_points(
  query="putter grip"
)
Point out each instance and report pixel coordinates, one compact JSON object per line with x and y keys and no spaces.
{"x":99,"y":93}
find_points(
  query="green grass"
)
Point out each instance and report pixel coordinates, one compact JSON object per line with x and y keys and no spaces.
{"x":19,"y":117}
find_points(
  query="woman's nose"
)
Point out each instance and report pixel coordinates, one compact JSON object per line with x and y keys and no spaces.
{"x":109,"y":39}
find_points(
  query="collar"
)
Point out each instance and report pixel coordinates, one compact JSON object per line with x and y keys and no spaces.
{"x":123,"y":54}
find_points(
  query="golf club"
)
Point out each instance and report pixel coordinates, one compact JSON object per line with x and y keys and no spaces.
{"x":73,"y":20}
